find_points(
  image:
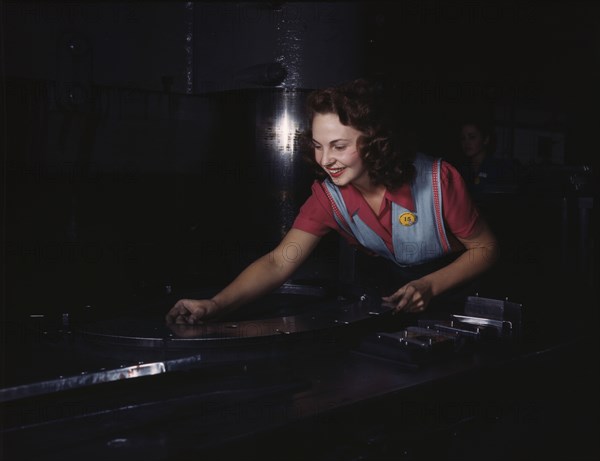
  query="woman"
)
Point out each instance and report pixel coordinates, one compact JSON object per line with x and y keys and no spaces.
{"x":411,"y":210}
{"x":482,"y":171}
{"x":475,"y":142}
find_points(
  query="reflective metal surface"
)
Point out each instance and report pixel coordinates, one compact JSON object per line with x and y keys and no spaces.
{"x":318,"y":319}
{"x":81,"y":380}
{"x":81,"y":354}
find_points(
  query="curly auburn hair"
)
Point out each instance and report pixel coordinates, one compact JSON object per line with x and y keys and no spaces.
{"x":358,"y":105}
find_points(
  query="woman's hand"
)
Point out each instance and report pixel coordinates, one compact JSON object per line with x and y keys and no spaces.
{"x":259,"y":278}
{"x":412,"y":297}
{"x":481,"y":253}
{"x":190,"y":311}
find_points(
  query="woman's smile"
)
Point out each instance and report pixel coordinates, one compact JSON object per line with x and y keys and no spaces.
{"x":335,"y":172}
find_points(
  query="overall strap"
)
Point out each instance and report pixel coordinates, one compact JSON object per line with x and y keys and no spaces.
{"x":437,"y":203}
{"x":336,"y":212}
{"x":353,"y":225}
{"x":423,"y":238}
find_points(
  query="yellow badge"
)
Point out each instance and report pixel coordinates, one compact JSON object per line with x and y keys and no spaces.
{"x":407,"y":219}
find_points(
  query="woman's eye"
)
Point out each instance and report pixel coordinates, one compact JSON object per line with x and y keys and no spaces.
{"x":339,"y":147}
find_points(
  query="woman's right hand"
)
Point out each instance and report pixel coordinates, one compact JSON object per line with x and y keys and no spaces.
{"x":191,"y":311}
{"x":262,"y":276}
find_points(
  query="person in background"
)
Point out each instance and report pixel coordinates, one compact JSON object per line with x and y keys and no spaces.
{"x":405,"y":208}
{"x":482,"y":171}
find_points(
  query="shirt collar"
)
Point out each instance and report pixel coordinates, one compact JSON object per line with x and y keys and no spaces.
{"x":401,"y":195}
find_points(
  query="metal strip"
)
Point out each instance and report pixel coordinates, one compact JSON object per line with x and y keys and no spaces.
{"x":98,"y":377}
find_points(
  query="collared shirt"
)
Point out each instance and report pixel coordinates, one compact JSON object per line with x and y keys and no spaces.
{"x":459,"y":212}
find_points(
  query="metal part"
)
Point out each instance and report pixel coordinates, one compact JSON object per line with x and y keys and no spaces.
{"x":476,"y":306}
{"x":413,"y":345}
{"x":131,"y":347}
{"x":80,"y":380}
{"x":502,"y":327}
{"x":151,"y":334}
{"x":433,"y":339}
{"x":453,"y":327}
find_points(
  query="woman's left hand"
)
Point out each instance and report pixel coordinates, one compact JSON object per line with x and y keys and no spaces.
{"x":413,"y":297}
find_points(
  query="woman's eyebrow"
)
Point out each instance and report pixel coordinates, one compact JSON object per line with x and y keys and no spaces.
{"x":332,"y":142}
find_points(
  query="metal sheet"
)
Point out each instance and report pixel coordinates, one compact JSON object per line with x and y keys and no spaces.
{"x":318,"y":318}
{"x":81,"y":380}
{"x":134,"y":347}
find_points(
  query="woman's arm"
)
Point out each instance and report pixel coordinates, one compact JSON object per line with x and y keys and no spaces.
{"x":481,"y":253}
{"x":261,"y":277}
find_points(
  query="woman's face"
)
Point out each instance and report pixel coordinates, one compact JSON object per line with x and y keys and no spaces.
{"x":336,"y":150}
{"x":472,"y":141}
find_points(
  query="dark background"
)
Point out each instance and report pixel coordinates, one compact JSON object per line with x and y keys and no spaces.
{"x":138,"y":145}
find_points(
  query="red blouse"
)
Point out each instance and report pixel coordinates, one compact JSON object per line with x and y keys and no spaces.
{"x":459,"y":211}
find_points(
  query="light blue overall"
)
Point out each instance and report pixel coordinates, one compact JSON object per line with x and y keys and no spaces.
{"x":422,"y":242}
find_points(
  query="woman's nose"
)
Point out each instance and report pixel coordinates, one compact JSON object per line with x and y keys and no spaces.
{"x":326,"y":157}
